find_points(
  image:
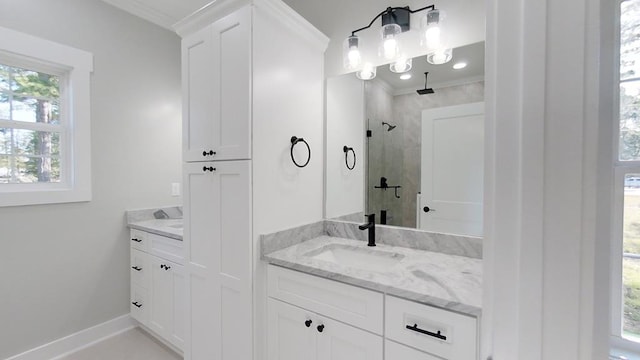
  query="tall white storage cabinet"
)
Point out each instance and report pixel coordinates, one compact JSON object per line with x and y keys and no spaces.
{"x":252,"y":79}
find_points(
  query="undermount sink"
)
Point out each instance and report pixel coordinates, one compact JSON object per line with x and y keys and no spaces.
{"x":365,"y":258}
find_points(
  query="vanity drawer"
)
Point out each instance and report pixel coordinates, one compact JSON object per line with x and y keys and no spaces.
{"x":140,"y":268}
{"x":350,"y":304}
{"x":393,"y":350}
{"x":140,"y":305}
{"x":139,"y":240}
{"x":166,"y":248}
{"x":439,"y":332}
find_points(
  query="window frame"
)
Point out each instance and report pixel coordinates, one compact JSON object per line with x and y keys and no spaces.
{"x":74,"y":67}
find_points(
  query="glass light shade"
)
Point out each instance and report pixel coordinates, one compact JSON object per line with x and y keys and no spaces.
{"x":368,"y":72}
{"x":401,"y":65}
{"x":389,"y":49}
{"x":440,"y":56}
{"x":351,"y":53}
{"x":432,"y":35}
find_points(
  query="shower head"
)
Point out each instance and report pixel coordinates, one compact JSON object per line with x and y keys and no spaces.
{"x":426,"y":90}
{"x":391,"y":127}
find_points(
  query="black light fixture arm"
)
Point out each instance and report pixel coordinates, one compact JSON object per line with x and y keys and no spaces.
{"x":389,"y":10}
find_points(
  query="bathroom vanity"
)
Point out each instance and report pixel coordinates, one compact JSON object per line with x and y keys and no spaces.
{"x":335,"y":298}
{"x":158,"y":289}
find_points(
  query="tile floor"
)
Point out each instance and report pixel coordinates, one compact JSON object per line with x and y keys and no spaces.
{"x":134,"y":344}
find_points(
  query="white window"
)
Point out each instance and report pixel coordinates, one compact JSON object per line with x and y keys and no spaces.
{"x":45,"y":121}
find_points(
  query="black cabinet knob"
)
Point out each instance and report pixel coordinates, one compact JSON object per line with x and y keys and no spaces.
{"x":137,"y":304}
{"x":136,"y":268}
{"x":308,"y":323}
{"x":320,"y":328}
{"x":427,"y":209}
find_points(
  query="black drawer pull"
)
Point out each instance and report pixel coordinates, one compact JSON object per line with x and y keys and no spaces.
{"x":136,"y":240}
{"x":166,"y":267}
{"x":210,"y":168}
{"x":435,"y":335}
{"x":209,"y":153}
{"x":137,"y":304}
{"x":308,"y":323}
{"x":320,"y":328}
{"x":136,"y":268}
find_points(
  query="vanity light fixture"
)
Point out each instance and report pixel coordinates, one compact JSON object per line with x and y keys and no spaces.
{"x":395,"y":21}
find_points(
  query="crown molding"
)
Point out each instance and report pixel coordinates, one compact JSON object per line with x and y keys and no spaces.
{"x":144,"y":11}
{"x":280,"y":11}
{"x":207,"y":15}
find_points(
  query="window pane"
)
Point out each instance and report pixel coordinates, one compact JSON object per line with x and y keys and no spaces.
{"x":5,"y":109}
{"x":29,"y":142}
{"x":35,"y":110}
{"x":35,"y":84}
{"x":4,"y":77}
{"x":631,"y":249}
{"x":27,"y":169}
{"x":629,"y":39}
{"x":629,"y":121}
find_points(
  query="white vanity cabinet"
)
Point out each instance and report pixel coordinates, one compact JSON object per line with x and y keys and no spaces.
{"x":333,"y":321}
{"x":158,"y":286}
{"x":352,"y":323}
{"x":216,"y":78}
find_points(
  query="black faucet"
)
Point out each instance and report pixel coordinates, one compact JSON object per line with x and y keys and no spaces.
{"x":371,"y":225}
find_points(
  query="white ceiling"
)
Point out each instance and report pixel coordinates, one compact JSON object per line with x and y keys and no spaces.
{"x":164,"y":13}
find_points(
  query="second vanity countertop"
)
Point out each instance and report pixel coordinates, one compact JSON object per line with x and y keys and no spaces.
{"x":171,"y":228}
{"x":448,"y":281}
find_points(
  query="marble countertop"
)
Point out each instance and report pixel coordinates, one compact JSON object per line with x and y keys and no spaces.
{"x":448,"y":281}
{"x":171,"y":228}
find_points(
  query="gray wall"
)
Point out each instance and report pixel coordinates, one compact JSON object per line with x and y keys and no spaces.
{"x":65,"y":267}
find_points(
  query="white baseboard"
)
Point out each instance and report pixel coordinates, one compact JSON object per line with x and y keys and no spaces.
{"x":74,"y":342}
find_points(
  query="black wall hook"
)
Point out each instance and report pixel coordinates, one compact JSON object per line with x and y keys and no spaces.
{"x":294,"y":141}
{"x":346,"y":150}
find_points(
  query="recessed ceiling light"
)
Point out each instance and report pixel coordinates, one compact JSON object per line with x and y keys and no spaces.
{"x":405,"y":76}
{"x":460,"y":65}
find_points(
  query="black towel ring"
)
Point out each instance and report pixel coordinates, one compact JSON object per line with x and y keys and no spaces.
{"x":346,"y":150}
{"x":294,"y":142}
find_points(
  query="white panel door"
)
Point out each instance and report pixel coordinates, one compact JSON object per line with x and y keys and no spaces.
{"x":216,"y":73}
{"x":218,"y":260}
{"x":291,"y":332}
{"x":452,"y":169}
{"x":338,"y":341}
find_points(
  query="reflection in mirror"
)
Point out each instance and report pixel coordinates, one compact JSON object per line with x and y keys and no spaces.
{"x":422,"y":154}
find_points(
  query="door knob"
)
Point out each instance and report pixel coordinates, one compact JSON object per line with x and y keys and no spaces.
{"x":427,"y":209}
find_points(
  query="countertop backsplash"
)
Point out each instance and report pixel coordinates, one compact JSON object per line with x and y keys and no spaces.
{"x":394,"y":236}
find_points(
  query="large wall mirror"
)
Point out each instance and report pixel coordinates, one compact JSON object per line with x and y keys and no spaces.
{"x":415,"y":159}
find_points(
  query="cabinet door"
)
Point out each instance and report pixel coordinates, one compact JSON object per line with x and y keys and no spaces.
{"x":161,"y":296}
{"x":178,"y":304}
{"x":338,"y":341}
{"x":288,"y":336}
{"x":217,"y":218}
{"x":216,"y":73}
